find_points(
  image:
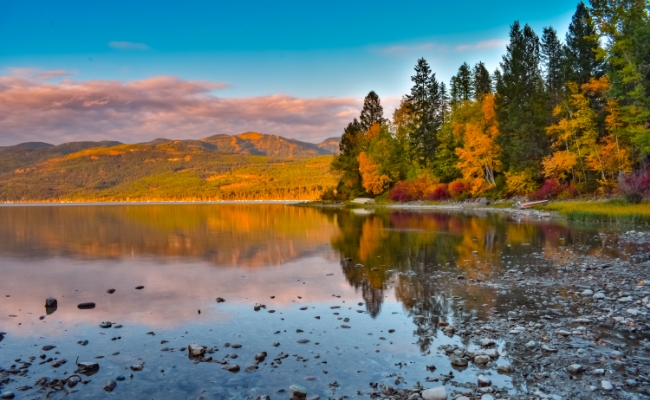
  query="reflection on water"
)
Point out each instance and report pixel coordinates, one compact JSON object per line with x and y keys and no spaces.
{"x":251,"y":235}
{"x":388,"y":261}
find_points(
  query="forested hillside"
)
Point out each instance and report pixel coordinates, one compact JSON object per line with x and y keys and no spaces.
{"x":250,"y":166}
{"x":557,"y":119}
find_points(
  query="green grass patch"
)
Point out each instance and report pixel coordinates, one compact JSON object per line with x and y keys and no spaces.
{"x":615,"y":211}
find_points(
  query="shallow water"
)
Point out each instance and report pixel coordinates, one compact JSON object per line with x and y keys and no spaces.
{"x":382,"y":271}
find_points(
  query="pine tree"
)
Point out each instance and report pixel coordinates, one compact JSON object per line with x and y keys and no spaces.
{"x":553,"y":59}
{"x":461,"y":84}
{"x":372,"y":111}
{"x":582,"y":42}
{"x":481,"y":81}
{"x":521,"y":106}
{"x":425,"y":102}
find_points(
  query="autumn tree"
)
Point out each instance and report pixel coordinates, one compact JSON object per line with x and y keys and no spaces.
{"x":478,"y":158}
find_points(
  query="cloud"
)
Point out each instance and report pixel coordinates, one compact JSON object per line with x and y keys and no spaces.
{"x":162,"y":106}
{"x":127,"y":45}
{"x":482,"y":45}
{"x":406,"y":49}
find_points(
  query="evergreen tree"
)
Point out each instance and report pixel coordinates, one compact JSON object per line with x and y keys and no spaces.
{"x":425,"y":102}
{"x":461,"y":84}
{"x":521,"y":107}
{"x":582,"y":42}
{"x":372,"y":111}
{"x":553,"y":59}
{"x":481,"y":81}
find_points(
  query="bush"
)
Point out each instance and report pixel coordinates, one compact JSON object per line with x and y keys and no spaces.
{"x":439,"y":193}
{"x":459,"y":190}
{"x":422,"y":188}
{"x":549,"y":190}
{"x":634,"y":186}
{"x":400,"y":192}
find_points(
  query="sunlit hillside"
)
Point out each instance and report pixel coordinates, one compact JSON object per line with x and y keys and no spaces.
{"x":250,"y":166}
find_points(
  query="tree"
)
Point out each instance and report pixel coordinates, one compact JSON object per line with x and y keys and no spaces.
{"x":461,"y":84}
{"x":481,"y":81}
{"x":478,"y":158}
{"x":582,"y":43}
{"x":553,"y":56}
{"x":372,"y":111}
{"x":625,"y":27}
{"x":346,"y":163}
{"x":425,"y":105}
{"x":521,"y":106}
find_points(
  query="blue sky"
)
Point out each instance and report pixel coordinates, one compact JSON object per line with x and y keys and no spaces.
{"x":301,"y":49}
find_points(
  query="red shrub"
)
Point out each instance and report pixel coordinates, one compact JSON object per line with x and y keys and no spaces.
{"x":459,"y":190}
{"x":550,"y":189}
{"x":438,"y":193}
{"x":400,"y":192}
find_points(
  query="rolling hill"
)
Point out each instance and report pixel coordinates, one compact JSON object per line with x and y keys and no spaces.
{"x":221,"y":167}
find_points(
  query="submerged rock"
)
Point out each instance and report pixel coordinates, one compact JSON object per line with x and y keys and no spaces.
{"x":110,"y":385}
{"x":196,"y":350}
{"x":437,"y":393}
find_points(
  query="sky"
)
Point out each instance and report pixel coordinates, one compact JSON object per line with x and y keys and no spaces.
{"x":134,"y":71}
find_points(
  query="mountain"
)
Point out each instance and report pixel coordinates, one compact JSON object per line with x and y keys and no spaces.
{"x":330,"y":144}
{"x":24,"y":154}
{"x":246,"y":166}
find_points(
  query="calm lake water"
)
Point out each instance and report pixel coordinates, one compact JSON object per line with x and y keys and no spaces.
{"x":351,"y":283}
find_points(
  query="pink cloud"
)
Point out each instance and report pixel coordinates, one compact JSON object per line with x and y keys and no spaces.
{"x":31,"y":109}
{"x":406,"y":49}
{"x":485,"y":44}
{"x":127,"y":45}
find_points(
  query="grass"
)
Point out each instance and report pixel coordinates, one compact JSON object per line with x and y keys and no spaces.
{"x":617,"y":211}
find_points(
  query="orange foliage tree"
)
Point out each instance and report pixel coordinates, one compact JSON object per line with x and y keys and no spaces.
{"x":479,"y":155}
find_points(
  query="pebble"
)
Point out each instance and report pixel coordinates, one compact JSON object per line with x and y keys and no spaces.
{"x":437,"y":393}
{"x":137,"y":367}
{"x":487,"y":397}
{"x":298,"y":390}
{"x":110,"y":385}
{"x":7,"y":395}
{"x":575,"y":368}
{"x":303,"y":341}
{"x":50,"y":302}
{"x":86,"y":306}
{"x":481,"y":359}
{"x":106,"y":324}
{"x":120,"y":378}
{"x":139,"y":287}
{"x":220,"y":299}
{"x":505,"y":368}
{"x":196,"y":350}
{"x":606,"y":385}
{"x":110,"y":291}
{"x":483,"y":381}
{"x":459,"y":362}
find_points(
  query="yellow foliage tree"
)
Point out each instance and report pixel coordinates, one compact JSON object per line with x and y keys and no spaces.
{"x":479,"y":155}
{"x":578,"y":144}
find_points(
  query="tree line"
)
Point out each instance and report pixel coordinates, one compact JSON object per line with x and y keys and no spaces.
{"x":557,"y":118}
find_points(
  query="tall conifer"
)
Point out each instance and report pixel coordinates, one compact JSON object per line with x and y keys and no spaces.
{"x":481,"y":81}
{"x":372,"y":111}
{"x":582,"y":42}
{"x":521,"y":105}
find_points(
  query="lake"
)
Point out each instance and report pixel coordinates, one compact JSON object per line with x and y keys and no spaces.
{"x":344,"y":302}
